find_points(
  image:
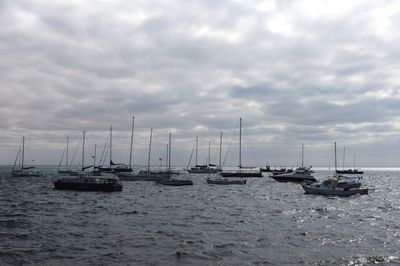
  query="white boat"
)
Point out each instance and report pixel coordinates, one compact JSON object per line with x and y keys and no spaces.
{"x":145,"y":175}
{"x":23,"y":171}
{"x":301,"y":174}
{"x":329,"y":188}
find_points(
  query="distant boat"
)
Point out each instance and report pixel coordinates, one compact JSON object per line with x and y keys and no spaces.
{"x":224,"y":181}
{"x":23,"y":171}
{"x":241,"y":172}
{"x":207,"y":168}
{"x":301,"y":174}
{"x":117,"y":167}
{"x":335,"y":186}
{"x":329,"y":188}
{"x":66,"y":170}
{"x":146,"y":175}
{"x":268,"y":169}
{"x":170,"y":181}
{"x":89,"y":181}
{"x":353,"y":171}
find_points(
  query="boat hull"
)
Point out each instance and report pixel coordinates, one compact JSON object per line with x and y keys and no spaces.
{"x":291,"y":178}
{"x":59,"y":185}
{"x":174,"y":182}
{"x":226,"y":182}
{"x":241,"y":174}
{"x":333,"y":192}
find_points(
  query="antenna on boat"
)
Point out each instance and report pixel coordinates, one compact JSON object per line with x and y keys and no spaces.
{"x":209,"y":153}
{"x":94,"y":157}
{"x":130,"y":152}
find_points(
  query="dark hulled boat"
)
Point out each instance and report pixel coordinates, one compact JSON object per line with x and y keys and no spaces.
{"x":89,"y":182}
{"x":350,"y":171}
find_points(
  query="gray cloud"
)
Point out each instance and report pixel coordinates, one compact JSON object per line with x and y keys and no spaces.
{"x":295,"y":71}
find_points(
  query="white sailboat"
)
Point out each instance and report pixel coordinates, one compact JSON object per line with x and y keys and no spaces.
{"x":23,"y":171}
{"x":207,"y":168}
{"x":241,"y":172}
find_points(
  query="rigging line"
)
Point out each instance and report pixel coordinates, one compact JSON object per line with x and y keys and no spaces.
{"x":18,"y":155}
{"x":62,"y":157}
{"x":250,"y":145}
{"x":191,"y":155}
{"x":76,"y":150}
{"x":230,"y":144}
{"x":104,"y":148}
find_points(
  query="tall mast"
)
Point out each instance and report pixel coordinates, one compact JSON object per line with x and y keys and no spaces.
{"x":94,"y":158}
{"x":23,"y":152}
{"x":83,"y":150}
{"x":197,"y":146}
{"x":166,"y":160}
{"x":354,"y":161}
{"x":209,"y":153}
{"x":335,"y":158}
{"x":302,"y":155}
{"x":148,"y":158}
{"x":110,"y":145}
{"x":169,"y":153}
{"x":66,"y":158}
{"x":220,"y":150}
{"x":240,"y":143}
{"x":130,"y":152}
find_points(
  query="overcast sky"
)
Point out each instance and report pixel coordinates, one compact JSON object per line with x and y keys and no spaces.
{"x":310,"y":72}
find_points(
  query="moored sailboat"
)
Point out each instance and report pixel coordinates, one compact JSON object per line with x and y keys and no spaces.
{"x":242,"y":173}
{"x":23,"y":171}
{"x":89,"y":180}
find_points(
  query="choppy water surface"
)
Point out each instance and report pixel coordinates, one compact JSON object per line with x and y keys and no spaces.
{"x":261,"y":223}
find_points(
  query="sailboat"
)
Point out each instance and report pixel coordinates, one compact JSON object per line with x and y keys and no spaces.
{"x":145,"y":175}
{"x":353,"y":171}
{"x":207,"y":168}
{"x":170,"y":181}
{"x":335,"y":186}
{"x":23,"y":171}
{"x":116,"y":167}
{"x":224,"y":181}
{"x":240,"y":172}
{"x":66,"y":170}
{"x":89,"y":180}
{"x":301,"y":174}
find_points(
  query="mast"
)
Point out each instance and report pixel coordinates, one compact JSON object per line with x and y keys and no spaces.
{"x":197,"y":146}
{"x":209,"y":153}
{"x":148,"y":158}
{"x":83,"y":150}
{"x":335,"y":158}
{"x":94,"y":157}
{"x":354,"y":161}
{"x":302,"y":155}
{"x":23,"y":152}
{"x":166,"y":161}
{"x":110,"y":145}
{"x":130,"y":152}
{"x":169,"y":153}
{"x":66,"y":158}
{"x":220,"y":150}
{"x":240,"y":144}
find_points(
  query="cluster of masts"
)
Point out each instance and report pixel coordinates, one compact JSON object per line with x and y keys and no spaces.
{"x":108,"y":178}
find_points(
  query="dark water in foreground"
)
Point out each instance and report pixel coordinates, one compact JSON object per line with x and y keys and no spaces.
{"x":261,"y":223}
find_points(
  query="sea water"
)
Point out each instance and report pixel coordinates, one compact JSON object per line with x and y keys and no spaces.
{"x":261,"y":223}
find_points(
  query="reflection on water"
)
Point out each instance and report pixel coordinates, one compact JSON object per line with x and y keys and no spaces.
{"x":263,"y":222}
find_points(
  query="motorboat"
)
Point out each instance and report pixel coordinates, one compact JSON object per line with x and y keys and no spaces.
{"x":301,"y":174}
{"x":329,"y":188}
